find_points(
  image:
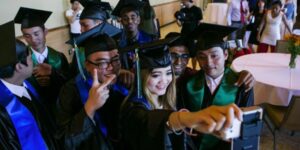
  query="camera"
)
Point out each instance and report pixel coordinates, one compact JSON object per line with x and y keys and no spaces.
{"x":245,"y":135}
{"x":180,"y":15}
{"x":235,"y":44}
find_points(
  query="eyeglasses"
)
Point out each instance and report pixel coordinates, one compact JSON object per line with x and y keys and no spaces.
{"x":104,"y":64}
{"x":176,"y":56}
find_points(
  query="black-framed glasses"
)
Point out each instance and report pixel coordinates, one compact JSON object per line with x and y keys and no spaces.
{"x":104,"y":64}
{"x":176,"y":56}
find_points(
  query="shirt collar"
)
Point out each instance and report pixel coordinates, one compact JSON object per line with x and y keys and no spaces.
{"x":17,"y":90}
{"x":40,"y":56}
{"x":213,"y":83}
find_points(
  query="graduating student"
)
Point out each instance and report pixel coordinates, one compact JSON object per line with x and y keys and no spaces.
{"x":215,"y":83}
{"x":89,"y":109}
{"x":94,"y":17}
{"x":180,"y":54}
{"x":24,"y":121}
{"x":130,"y":18}
{"x":50,"y":66}
{"x":149,"y":117}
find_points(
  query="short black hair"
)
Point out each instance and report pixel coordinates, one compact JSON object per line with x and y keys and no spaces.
{"x":72,"y":1}
{"x":277,"y":2}
{"x":22,"y":53}
{"x":129,"y":8}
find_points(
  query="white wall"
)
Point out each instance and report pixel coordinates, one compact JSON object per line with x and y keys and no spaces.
{"x":9,"y":8}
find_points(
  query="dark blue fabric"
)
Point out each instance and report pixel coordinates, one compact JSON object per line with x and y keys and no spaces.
{"x":84,"y":86}
{"x":143,"y":37}
{"x":24,"y":122}
{"x":290,"y":11}
{"x":143,"y":100}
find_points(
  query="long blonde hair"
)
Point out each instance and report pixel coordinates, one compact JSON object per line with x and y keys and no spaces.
{"x":168,"y":100}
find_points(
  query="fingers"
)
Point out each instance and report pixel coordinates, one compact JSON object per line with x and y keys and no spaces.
{"x":95,"y":78}
{"x":206,"y":124}
{"x":247,"y":79}
{"x":249,"y":84}
{"x":238,"y":113}
{"x":229,"y":119}
{"x":108,"y":81}
{"x":241,"y":78}
{"x":220,"y":120}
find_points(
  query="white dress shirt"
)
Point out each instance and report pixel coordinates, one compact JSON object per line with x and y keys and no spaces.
{"x":213,"y":83}
{"x":234,"y":10}
{"x":40,"y":56}
{"x":17,"y":90}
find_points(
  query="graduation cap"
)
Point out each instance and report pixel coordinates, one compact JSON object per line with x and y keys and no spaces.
{"x":178,"y":42}
{"x":157,"y":56}
{"x":101,"y":42}
{"x":28,"y":17}
{"x":129,"y":5}
{"x":211,"y":35}
{"x":181,"y":41}
{"x":94,"y":10}
{"x":150,"y":55}
{"x":103,"y":28}
{"x":12,"y":50}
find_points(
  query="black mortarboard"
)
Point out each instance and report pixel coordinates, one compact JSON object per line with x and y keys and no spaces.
{"x":103,"y":28}
{"x":101,"y":42}
{"x":154,"y":54}
{"x":127,"y":4}
{"x":12,"y":50}
{"x":28,"y":17}
{"x":211,"y":35}
{"x":155,"y":57}
{"x":180,"y":41}
{"x":93,"y":10}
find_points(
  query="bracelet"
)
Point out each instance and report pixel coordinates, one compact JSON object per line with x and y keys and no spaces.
{"x":190,"y":133}
{"x":173,"y":130}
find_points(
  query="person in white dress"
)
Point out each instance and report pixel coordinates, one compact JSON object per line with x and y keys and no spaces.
{"x":270,"y":28}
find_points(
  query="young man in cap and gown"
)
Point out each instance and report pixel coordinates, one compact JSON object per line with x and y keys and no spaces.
{"x":214,"y":84}
{"x":50,"y":66}
{"x":24,"y":121}
{"x":89,"y":108}
{"x":130,"y":18}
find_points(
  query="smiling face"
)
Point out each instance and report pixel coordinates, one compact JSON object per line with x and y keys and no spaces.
{"x":158,"y":81}
{"x":212,"y":61}
{"x":180,"y":59}
{"x":130,"y":20}
{"x":106,"y":62}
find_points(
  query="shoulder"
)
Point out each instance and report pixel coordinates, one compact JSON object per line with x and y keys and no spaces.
{"x":55,"y":52}
{"x":145,"y":36}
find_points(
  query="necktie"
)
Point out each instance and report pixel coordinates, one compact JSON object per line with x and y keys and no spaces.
{"x":242,"y":13}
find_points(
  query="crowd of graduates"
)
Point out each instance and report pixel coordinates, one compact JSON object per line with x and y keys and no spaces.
{"x":124,"y":89}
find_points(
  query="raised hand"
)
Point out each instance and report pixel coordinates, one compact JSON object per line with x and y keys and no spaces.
{"x":210,"y":120}
{"x":223,"y":117}
{"x":98,"y":94}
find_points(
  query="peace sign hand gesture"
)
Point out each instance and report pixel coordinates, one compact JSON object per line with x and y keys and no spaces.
{"x":98,"y":94}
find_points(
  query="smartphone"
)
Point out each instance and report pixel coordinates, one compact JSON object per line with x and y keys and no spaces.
{"x":250,"y":129}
